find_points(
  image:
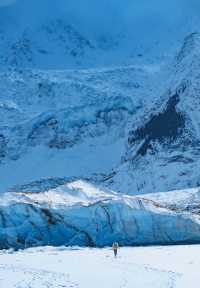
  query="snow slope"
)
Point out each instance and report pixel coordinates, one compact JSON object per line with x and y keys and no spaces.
{"x":159,"y":267}
{"x":163,"y":146}
{"x":135,"y":129}
{"x":133,"y":126}
{"x":68,"y":123}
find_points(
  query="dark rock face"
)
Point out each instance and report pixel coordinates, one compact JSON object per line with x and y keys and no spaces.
{"x":164,"y":127}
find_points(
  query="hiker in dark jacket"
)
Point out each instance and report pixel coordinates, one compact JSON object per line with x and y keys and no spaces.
{"x":115,"y":247}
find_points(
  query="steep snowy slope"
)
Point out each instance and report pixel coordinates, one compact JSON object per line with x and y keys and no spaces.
{"x":137,"y":123}
{"x":135,"y":129}
{"x":69,"y":123}
{"x":164,"y":145}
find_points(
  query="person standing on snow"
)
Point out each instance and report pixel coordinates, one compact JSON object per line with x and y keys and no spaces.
{"x":115,"y":247}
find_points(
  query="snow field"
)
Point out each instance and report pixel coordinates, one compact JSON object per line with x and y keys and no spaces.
{"x":156,"y":267}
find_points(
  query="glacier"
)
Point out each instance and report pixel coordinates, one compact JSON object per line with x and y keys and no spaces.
{"x":79,"y":213}
{"x":99,"y":114}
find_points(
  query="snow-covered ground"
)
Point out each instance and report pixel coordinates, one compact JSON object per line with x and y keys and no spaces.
{"x":152,"y":267}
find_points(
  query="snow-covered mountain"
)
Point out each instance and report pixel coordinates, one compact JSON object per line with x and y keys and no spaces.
{"x":56,"y":35}
{"x":69,"y":123}
{"x":163,"y":146}
{"x":88,"y":92}
{"x":135,"y":129}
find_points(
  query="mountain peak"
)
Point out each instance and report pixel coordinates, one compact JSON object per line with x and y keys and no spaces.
{"x":115,"y":29}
